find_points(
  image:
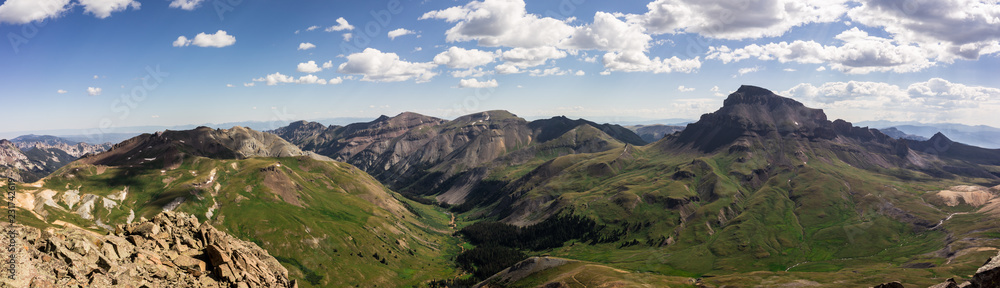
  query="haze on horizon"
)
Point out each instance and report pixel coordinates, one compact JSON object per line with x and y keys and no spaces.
{"x":69,"y":64}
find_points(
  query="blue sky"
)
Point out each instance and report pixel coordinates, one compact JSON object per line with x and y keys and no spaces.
{"x":101,"y":64}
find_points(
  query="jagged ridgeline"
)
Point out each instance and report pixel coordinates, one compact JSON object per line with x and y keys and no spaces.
{"x":328,"y":223}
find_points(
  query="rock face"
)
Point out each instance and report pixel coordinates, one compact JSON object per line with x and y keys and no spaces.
{"x":171,"y":250}
{"x":29,"y":165}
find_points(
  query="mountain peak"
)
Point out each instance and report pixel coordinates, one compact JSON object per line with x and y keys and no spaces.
{"x":752,"y":110}
{"x":940,"y":138}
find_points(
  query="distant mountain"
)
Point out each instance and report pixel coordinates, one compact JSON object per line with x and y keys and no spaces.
{"x":654,"y":132}
{"x":979,"y":135}
{"x":31,"y":164}
{"x":424,"y":155}
{"x":74,"y":148}
{"x":895,"y":133}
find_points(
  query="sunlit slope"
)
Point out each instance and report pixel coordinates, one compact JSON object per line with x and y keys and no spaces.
{"x":329,"y":223}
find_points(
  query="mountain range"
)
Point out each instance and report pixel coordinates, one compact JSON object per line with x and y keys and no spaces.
{"x":763,"y":191}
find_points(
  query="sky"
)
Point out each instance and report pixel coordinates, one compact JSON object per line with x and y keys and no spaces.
{"x":98,"y":65}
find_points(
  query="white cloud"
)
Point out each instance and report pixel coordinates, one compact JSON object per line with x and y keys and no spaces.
{"x":230,"y":85}
{"x":608,"y":33}
{"x":61,"y":91}
{"x":506,"y":68}
{"x":94,"y":91}
{"x":473,"y":83}
{"x":374,"y":65}
{"x":278,"y":78}
{"x":860,"y":54}
{"x":531,"y":57}
{"x":251,"y":84}
{"x":218,"y":40}
{"x":399,"y":32}
{"x":471,"y":72}
{"x":334,"y":81}
{"x":185,"y":4}
{"x":634,"y":61}
{"x":328,"y":64}
{"x":341,"y":26}
{"x":95,"y":76}
{"x":821,"y":69}
{"x":103,"y":8}
{"x":744,"y":71}
{"x":934,"y":100}
{"x":309,"y":67}
{"x":306,"y":46}
{"x":26,"y":11}
{"x":580,"y":73}
{"x":461,"y":58}
{"x":418,"y":49}
{"x":554,"y":71}
{"x":685,"y":89}
{"x":789,"y":70}
{"x":736,"y":19}
{"x":500,"y":23}
{"x":952,"y":28}
{"x":715,"y":91}
{"x":181,"y":41}
{"x":311,"y":28}
{"x":347,"y":36}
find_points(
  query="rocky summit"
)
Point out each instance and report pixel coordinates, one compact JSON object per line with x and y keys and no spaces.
{"x":171,"y":250}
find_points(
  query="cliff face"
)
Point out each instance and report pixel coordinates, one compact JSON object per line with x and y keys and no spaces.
{"x":171,"y":250}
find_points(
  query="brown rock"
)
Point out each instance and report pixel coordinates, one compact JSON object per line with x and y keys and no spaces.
{"x":189,"y":263}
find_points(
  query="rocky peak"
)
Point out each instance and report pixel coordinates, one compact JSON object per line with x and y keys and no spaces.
{"x":753,"y":110}
{"x":171,"y":250}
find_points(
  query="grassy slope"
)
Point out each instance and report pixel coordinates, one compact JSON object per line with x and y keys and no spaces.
{"x":345,"y":213}
{"x":815,"y":219}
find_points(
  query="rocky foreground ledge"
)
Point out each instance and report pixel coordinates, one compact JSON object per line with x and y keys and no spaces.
{"x":171,"y":250}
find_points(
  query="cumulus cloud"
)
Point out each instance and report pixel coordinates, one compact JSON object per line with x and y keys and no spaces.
{"x":94,"y":91}
{"x":278,"y":78}
{"x":500,"y":23}
{"x":347,"y":36}
{"x":103,"y":8}
{"x":218,"y":40}
{"x":736,"y":19}
{"x":462,"y":58}
{"x":185,"y":4}
{"x":306,"y":46}
{"x":952,"y":28}
{"x":251,"y":84}
{"x":473,"y":83}
{"x":608,"y":33}
{"x":530,"y":57}
{"x":342,"y":25}
{"x":61,"y":91}
{"x":374,"y":65}
{"x":472,"y":72}
{"x":26,"y":11}
{"x":230,"y":85}
{"x":399,"y":32}
{"x":580,"y":73}
{"x":685,"y":89}
{"x":634,"y":61}
{"x":309,"y":67}
{"x":860,"y":54}
{"x":504,"y":22}
{"x":554,"y":71}
{"x":930,"y":101}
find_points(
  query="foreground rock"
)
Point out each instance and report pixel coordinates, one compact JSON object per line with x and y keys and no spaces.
{"x":987,"y":276}
{"x":171,"y":250}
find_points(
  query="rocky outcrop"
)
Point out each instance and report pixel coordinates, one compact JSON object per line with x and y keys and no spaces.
{"x":987,"y":276}
{"x":171,"y":250}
